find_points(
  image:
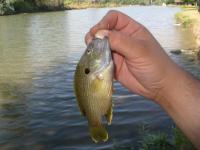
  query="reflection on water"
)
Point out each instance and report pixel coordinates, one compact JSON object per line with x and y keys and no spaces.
{"x":38,"y":55}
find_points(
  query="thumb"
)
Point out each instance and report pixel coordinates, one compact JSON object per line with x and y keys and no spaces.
{"x":126,"y":45}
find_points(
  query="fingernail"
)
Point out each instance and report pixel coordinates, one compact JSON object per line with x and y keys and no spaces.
{"x":101,"y":34}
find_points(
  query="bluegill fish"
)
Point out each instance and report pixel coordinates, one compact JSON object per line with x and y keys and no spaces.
{"x":93,"y":86}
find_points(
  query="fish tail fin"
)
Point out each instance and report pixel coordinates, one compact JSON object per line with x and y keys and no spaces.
{"x":98,"y":133}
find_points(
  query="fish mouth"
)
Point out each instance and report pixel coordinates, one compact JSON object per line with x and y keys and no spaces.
{"x":102,"y":45}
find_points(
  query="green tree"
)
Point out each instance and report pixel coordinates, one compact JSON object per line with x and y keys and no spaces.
{"x":6,"y":8}
{"x":190,"y":1}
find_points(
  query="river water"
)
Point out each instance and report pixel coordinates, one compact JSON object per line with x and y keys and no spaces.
{"x":38,"y":55}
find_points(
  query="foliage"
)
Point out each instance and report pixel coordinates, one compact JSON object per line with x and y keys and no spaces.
{"x":23,"y":6}
{"x":6,"y":8}
{"x":183,"y":19}
{"x":158,"y":141}
{"x":33,"y":5}
{"x":18,"y":6}
{"x":122,"y":2}
{"x":169,"y":1}
{"x":190,"y":1}
{"x":180,"y":141}
{"x":49,"y":4}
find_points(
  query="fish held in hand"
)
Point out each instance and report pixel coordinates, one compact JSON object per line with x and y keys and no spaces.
{"x":93,"y":86}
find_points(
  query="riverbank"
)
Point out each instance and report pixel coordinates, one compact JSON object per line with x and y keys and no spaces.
{"x":158,"y":141}
{"x":27,"y":7}
{"x":13,"y":7}
{"x":84,"y":5}
{"x":189,"y":18}
{"x":22,"y":6}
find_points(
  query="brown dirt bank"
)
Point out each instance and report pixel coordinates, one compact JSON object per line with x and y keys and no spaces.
{"x":190,"y":18}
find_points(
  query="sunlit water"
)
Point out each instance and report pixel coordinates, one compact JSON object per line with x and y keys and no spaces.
{"x":38,"y":55}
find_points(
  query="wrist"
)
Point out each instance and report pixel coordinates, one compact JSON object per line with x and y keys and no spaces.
{"x":174,"y":83}
{"x":180,"y":98}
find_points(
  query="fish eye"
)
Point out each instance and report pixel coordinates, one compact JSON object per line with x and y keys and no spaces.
{"x":87,"y":70}
{"x":89,"y":51}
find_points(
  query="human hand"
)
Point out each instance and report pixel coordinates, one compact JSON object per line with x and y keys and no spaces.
{"x":141,"y":65}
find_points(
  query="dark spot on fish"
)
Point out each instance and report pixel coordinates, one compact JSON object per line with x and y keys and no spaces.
{"x":87,"y":70}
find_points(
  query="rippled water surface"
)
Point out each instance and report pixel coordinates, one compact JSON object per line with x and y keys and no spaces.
{"x":38,"y":55}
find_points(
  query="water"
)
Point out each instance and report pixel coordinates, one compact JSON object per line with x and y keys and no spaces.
{"x":38,"y":55}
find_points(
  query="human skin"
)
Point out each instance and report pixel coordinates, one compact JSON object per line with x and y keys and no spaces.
{"x":143,"y":67}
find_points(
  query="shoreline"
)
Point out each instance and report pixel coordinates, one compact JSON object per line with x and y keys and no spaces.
{"x":189,"y":17}
{"x":86,"y":5}
{"x":75,"y":6}
{"x":9,"y":9}
{"x":69,"y":7}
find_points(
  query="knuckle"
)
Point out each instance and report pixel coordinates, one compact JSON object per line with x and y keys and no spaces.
{"x":115,"y":39}
{"x":111,"y":12}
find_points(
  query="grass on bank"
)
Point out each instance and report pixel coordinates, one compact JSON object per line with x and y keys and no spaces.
{"x":88,"y":4}
{"x":188,"y":16}
{"x":80,"y":4}
{"x":159,"y":141}
{"x":84,"y":5}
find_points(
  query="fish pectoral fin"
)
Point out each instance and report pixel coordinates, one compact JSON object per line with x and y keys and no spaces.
{"x":100,"y":76}
{"x":98,"y":133}
{"x":108,"y":115}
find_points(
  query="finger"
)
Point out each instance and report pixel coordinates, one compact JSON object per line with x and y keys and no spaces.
{"x":100,"y":34}
{"x":125,"y":45}
{"x":88,"y":38}
{"x":118,"y":61}
{"x":114,"y":20}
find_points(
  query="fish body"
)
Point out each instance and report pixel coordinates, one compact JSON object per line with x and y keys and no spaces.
{"x":93,"y":86}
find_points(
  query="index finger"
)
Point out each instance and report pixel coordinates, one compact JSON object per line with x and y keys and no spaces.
{"x":114,"y":20}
